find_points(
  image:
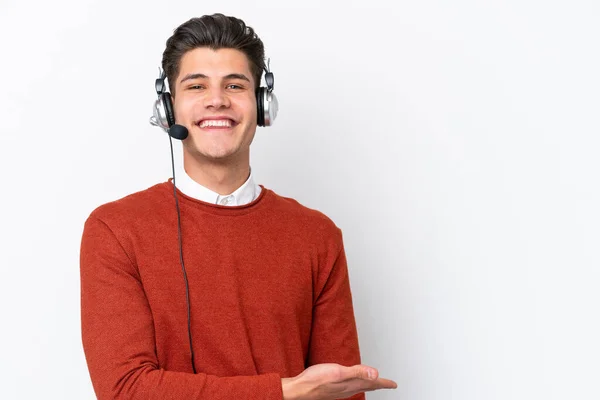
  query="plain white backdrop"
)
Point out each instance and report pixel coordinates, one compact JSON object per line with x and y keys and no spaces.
{"x":455,"y":144}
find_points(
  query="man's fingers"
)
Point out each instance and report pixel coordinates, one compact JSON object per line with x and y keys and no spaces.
{"x":360,"y":372}
{"x":370,"y":375}
{"x":386,"y":384}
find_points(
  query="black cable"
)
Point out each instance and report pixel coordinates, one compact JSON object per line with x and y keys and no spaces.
{"x":187,"y":289}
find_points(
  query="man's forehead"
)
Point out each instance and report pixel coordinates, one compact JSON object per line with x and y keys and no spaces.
{"x":207,"y":63}
{"x":210,"y":58}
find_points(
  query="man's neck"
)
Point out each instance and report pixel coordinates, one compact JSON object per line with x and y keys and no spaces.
{"x":222,"y":178}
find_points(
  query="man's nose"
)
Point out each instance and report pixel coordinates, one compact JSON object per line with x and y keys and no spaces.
{"x":216,"y":98}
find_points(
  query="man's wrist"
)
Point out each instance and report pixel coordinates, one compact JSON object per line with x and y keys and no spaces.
{"x":289,"y":393}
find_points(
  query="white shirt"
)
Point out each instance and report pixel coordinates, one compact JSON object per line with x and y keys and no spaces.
{"x":245,"y":194}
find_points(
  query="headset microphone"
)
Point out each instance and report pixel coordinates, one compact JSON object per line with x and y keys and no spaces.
{"x":178,"y":132}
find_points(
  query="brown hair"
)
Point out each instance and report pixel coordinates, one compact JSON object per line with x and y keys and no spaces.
{"x":215,"y":31}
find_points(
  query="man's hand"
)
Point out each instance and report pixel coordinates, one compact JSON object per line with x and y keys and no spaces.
{"x":333,"y":381}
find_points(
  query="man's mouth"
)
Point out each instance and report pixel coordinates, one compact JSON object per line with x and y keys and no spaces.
{"x":216,"y":123}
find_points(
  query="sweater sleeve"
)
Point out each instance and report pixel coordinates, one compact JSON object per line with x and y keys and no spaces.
{"x":118,"y":334}
{"x":334,"y":336}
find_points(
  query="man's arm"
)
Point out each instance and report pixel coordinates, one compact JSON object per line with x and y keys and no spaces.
{"x":334,"y":337}
{"x":118,"y":334}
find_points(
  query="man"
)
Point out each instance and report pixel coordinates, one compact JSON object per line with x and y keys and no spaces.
{"x":270,"y":311}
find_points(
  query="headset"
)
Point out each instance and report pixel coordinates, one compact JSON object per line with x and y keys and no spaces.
{"x":164,"y":117}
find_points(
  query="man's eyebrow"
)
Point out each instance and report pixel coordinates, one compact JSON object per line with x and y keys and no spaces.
{"x":237,"y":76}
{"x":189,"y":77}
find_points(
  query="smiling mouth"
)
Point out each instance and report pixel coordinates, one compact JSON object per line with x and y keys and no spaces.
{"x":216,"y":124}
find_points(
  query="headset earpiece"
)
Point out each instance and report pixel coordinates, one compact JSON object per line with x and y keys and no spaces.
{"x":266,"y":102}
{"x":163,"y":115}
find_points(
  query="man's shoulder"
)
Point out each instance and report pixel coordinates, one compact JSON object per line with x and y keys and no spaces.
{"x":292,"y":209}
{"x":132,"y":206}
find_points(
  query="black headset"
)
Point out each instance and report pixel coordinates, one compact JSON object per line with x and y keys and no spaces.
{"x":164,"y":117}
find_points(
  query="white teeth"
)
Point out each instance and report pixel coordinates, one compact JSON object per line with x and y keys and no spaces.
{"x":215,"y":122}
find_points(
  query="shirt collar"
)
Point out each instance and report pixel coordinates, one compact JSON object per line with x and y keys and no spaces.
{"x":245,"y":194}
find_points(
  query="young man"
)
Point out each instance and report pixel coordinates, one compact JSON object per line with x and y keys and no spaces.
{"x":270,"y":309}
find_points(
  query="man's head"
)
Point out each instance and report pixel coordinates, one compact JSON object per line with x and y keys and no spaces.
{"x":215,"y":31}
{"x":214,"y":64}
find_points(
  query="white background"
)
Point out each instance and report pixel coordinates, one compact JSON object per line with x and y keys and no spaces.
{"x":455,"y":144}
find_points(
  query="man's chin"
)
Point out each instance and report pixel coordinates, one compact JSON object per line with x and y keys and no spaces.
{"x":215,"y":156}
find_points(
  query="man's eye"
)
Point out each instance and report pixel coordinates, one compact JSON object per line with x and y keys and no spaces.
{"x":234,"y":86}
{"x":196,"y":87}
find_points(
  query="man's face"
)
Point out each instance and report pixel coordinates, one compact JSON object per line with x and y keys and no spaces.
{"x":214,"y":99}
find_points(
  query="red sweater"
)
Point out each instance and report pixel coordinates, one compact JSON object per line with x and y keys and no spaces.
{"x":269,"y":291}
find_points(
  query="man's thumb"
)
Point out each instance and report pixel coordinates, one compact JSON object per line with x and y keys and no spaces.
{"x":364,"y":372}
